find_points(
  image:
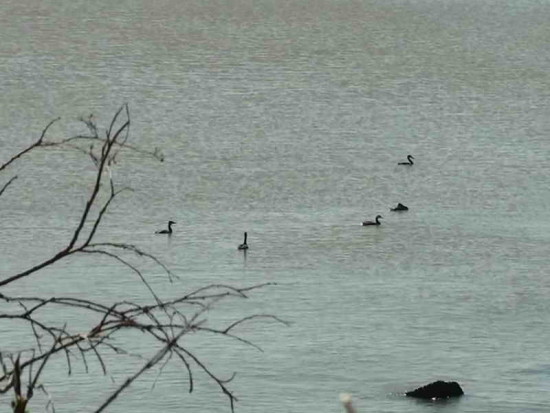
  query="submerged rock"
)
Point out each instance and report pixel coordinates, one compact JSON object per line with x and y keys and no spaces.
{"x":437,"y":390}
{"x":400,"y":207}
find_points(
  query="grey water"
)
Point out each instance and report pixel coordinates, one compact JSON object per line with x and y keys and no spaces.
{"x":287,"y":119}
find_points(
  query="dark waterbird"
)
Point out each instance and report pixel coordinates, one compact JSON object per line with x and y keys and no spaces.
{"x":244,"y":245}
{"x":410,"y":163}
{"x":167,"y":231}
{"x":400,"y":207}
{"x":375,"y":222}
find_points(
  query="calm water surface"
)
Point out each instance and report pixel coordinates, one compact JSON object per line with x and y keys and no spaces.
{"x":287,"y":119}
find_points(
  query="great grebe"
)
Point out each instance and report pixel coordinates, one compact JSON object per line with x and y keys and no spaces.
{"x":244,"y":245}
{"x":375,"y":222}
{"x":410,"y":163}
{"x":167,"y":231}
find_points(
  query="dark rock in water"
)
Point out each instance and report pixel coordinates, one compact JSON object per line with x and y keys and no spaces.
{"x":437,"y":390}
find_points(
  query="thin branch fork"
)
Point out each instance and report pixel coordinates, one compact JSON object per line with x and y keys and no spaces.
{"x":7,"y":184}
{"x":114,"y":320}
{"x":38,"y":142}
{"x":94,"y":137}
{"x":163,"y":321}
{"x":70,"y":248}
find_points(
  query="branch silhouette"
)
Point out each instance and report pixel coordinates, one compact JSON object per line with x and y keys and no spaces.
{"x":163,"y":321}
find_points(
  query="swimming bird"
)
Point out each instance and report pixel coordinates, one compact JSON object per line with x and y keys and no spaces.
{"x":400,"y":207}
{"x":167,"y":231}
{"x":375,"y":222}
{"x":410,"y":158}
{"x":244,"y":245}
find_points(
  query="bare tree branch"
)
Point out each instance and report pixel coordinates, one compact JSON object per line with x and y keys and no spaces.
{"x":150,"y":363}
{"x":162,"y":321}
{"x":30,"y":147}
{"x":7,"y":184}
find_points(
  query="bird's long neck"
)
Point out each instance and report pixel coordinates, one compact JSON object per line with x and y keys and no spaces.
{"x":410,"y":160}
{"x":377,"y":220}
{"x":170,"y":227}
{"x":245,"y":235}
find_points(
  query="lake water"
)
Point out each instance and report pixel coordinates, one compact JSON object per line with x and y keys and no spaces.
{"x":286,"y":119}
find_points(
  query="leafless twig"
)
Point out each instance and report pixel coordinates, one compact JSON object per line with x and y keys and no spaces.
{"x":162,"y":321}
{"x":7,"y":184}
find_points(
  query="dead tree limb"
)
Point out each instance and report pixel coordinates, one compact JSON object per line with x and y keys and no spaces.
{"x":162,"y":321}
{"x":29,"y":148}
{"x":7,"y":184}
